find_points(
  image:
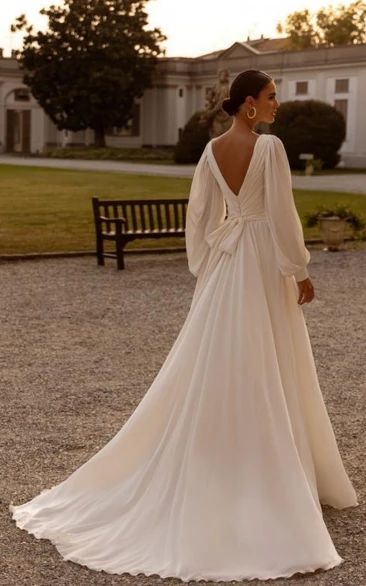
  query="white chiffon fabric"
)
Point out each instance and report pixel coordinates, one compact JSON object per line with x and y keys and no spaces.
{"x":220,"y":472}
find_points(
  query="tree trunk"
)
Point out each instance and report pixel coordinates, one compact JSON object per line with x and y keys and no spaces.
{"x":99,"y":137}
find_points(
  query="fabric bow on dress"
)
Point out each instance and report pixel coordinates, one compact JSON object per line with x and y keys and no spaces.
{"x":226,"y":237}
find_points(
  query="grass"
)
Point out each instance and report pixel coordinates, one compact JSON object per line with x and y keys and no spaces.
{"x":49,"y":210}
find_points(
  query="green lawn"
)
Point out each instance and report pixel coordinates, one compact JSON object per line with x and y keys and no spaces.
{"x":48,"y":210}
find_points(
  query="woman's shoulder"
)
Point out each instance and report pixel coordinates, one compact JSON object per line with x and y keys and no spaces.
{"x":273,"y":138}
{"x":275,"y":145}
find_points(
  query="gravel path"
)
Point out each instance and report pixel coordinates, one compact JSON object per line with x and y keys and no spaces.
{"x":347,"y":183}
{"x":79,"y":346}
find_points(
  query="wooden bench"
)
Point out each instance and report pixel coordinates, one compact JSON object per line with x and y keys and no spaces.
{"x":122,"y":221}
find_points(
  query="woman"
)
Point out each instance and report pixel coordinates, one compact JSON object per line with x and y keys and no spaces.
{"x":220,"y":472}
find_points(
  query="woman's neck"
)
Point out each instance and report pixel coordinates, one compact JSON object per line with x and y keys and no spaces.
{"x":243,"y":126}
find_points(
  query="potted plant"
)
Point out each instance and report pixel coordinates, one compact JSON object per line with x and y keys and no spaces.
{"x":332,"y":223}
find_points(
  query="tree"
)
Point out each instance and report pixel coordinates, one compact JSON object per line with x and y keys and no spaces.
{"x":301,"y":30}
{"x":310,"y":126}
{"x":329,"y":27}
{"x":195,"y":135}
{"x":343,"y":26}
{"x":95,"y":58}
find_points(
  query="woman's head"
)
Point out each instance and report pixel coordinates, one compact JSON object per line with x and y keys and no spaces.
{"x":253,"y":94}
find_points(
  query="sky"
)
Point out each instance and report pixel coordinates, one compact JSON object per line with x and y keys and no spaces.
{"x":193,"y":27}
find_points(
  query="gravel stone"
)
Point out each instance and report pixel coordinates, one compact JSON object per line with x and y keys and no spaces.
{"x":79,"y":347}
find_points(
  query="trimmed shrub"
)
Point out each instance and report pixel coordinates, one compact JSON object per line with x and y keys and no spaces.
{"x":144,"y":154}
{"x":310,"y":126}
{"x":194,"y":137}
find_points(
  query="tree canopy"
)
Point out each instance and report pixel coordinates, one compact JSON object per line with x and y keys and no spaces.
{"x":95,"y":58}
{"x":310,"y":126}
{"x":329,"y":27}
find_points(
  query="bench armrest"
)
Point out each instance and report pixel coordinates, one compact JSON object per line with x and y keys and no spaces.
{"x":111,"y":220}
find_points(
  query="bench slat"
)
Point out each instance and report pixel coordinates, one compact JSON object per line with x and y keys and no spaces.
{"x":151,"y":218}
{"x":168,"y":217}
{"x":159,"y":217}
{"x":135,"y":225}
{"x":142,"y":216}
{"x":175,"y":210}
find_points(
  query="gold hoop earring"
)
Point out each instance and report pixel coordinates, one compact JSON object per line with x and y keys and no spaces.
{"x":254,"y":115}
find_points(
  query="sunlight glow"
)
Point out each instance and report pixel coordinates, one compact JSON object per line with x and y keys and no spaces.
{"x":192,"y":27}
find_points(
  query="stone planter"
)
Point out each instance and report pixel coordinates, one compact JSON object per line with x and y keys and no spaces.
{"x":333,"y":232}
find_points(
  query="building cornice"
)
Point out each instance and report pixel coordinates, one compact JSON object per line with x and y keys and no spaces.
{"x":280,"y":60}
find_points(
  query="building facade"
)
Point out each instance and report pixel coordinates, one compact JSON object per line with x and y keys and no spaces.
{"x":335,"y":75}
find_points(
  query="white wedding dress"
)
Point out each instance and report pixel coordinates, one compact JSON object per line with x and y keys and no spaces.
{"x":220,"y":472}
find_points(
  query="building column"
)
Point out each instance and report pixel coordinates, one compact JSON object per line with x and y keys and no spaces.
{"x":2,"y":128}
{"x":37,"y":130}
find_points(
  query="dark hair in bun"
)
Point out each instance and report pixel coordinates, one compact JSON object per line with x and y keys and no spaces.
{"x":247,"y":83}
{"x":228,"y":106}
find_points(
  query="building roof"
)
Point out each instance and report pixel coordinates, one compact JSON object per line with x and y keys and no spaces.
{"x":212,"y":55}
{"x":266,"y":45}
{"x":261,"y":45}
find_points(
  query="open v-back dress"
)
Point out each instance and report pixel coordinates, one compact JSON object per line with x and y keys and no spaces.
{"x":221,"y":470}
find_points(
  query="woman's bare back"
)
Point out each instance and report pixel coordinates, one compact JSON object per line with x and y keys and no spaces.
{"x":233,"y":155}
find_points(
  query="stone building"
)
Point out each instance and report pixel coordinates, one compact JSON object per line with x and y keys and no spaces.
{"x":336,"y":75}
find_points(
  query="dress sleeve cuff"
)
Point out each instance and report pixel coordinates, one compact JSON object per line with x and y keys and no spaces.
{"x":301,"y":274}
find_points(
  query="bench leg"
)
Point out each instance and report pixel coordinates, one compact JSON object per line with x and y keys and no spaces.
{"x":100,"y":256}
{"x":100,"y":251}
{"x":120,"y":254}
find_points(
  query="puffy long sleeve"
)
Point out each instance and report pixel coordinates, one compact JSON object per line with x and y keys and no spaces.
{"x":205,"y":212}
{"x":285,"y":225}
